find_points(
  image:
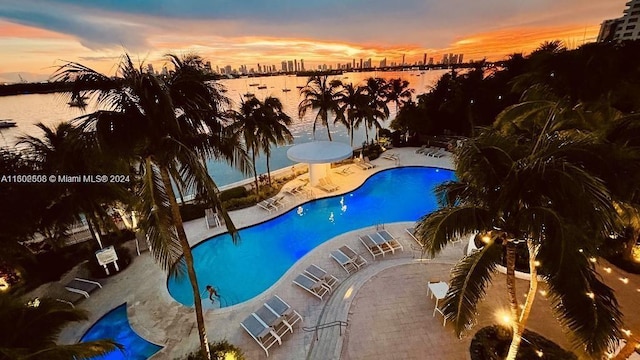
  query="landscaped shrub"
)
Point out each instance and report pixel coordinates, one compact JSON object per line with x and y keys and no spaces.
{"x":192,"y":211}
{"x":219,"y":350}
{"x":233,"y":193}
{"x":613,"y":250}
{"x":240,"y":203}
{"x":490,"y":343}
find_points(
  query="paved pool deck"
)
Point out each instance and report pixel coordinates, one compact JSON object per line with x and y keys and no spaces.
{"x":385,"y":304}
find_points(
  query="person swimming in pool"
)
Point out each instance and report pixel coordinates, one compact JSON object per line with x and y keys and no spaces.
{"x":212,"y":293}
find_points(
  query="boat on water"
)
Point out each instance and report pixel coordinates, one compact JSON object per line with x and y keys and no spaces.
{"x":286,"y":90}
{"x":254,"y":84}
{"x":249,"y":94}
{"x":299,"y":87}
{"x":7,"y":123}
{"x":261,"y":87}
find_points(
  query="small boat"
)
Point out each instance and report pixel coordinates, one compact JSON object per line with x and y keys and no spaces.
{"x":261,"y":87}
{"x":249,"y":94}
{"x":286,"y":90}
{"x":254,"y":84}
{"x":299,"y":87}
{"x":7,"y":123}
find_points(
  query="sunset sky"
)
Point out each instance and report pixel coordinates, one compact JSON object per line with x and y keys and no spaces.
{"x":37,"y":35}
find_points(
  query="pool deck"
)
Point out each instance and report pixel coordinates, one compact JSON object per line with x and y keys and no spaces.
{"x":385,"y":304}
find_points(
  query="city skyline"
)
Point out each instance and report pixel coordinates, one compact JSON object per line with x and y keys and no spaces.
{"x":37,"y":36}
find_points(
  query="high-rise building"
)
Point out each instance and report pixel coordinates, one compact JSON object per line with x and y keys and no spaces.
{"x":295,"y":65}
{"x":622,"y":28}
{"x":360,"y":63}
{"x":402,"y":59}
{"x":383,"y":63}
{"x":430,"y":61}
{"x":290,"y":66}
{"x":460,"y":58}
{"x":424,"y":59}
{"x":353,"y":63}
{"x":445,"y":59}
{"x":227,"y":69}
{"x":150,"y":69}
{"x":207,"y":67}
{"x":301,"y":64}
{"x":165,"y":71}
{"x":259,"y":68}
{"x":284,"y":66}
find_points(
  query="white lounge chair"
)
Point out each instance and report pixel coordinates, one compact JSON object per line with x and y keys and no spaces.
{"x":317,"y":273}
{"x":316,"y":288}
{"x":362,"y":164}
{"x":343,"y":260}
{"x":272,"y":204}
{"x":326,"y":185}
{"x":83,"y":287}
{"x":280,"y":307}
{"x":412,"y":233}
{"x":211,"y":218}
{"x":274,"y":321}
{"x":260,"y":332}
{"x":345,"y":171}
{"x":391,"y":240}
{"x":371,"y":245}
{"x":391,"y":156}
{"x":357,"y":259}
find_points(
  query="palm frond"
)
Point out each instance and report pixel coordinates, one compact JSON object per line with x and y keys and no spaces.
{"x":80,"y":351}
{"x":469,"y":280}
{"x":437,"y":229}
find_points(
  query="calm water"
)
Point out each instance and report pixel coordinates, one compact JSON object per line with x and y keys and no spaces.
{"x":115,"y":326}
{"x":51,"y":109}
{"x":268,"y":250}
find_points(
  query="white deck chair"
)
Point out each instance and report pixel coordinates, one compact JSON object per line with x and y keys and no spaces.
{"x":280,"y":307}
{"x":317,"y":273}
{"x":373,"y":248}
{"x":391,"y":240}
{"x":323,"y":184}
{"x":274,"y":321}
{"x":211,"y":218}
{"x":260,"y":332}
{"x":316,"y":288}
{"x":347,"y":264}
{"x":357,"y":259}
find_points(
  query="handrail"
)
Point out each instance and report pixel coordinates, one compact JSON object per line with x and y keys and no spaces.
{"x":326,"y":325}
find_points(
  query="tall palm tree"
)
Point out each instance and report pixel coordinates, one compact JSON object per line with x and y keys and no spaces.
{"x":273,"y":129}
{"x":66,"y":150}
{"x":352,"y":103}
{"x":377,"y":108}
{"x":166,"y":127}
{"x":398,"y":92}
{"x":30,"y":331}
{"x":246,"y":122}
{"x":319,"y":94}
{"x":503,"y":193}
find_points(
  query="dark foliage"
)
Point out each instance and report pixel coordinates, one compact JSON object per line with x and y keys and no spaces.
{"x":218,"y":350}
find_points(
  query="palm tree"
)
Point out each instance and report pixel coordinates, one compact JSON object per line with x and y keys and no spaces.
{"x":66,"y":150}
{"x":30,"y":330}
{"x":319,"y":94}
{"x":166,"y":127}
{"x":352,"y":103}
{"x":273,"y":129}
{"x":376,"y":108}
{"x":261,"y":124}
{"x":398,"y":92}
{"x":502,"y":193}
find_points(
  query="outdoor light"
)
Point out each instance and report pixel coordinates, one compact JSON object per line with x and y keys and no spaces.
{"x":4,"y":285}
{"x":34,"y":303}
{"x":536,"y":263}
{"x":539,"y":353}
{"x":543,"y":292}
{"x":607,"y":269}
{"x":486,"y":239}
{"x":592,"y":259}
{"x":580,"y":250}
{"x":627,"y":332}
{"x":591,"y":295}
{"x":504,"y":317}
{"x":624,"y":280}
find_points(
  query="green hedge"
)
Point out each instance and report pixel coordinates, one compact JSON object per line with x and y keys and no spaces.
{"x":490,"y":343}
{"x":233,"y":193}
{"x":219,"y":350}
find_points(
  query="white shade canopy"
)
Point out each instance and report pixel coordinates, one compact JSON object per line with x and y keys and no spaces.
{"x":319,"y":152}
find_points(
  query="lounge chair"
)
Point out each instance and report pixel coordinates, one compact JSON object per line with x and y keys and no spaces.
{"x":422,"y":149}
{"x":412,"y":233}
{"x":260,"y":332}
{"x":316,"y":288}
{"x":430,"y":150}
{"x":357,"y":259}
{"x":272,"y":204}
{"x":347,"y":263}
{"x":83,"y":287}
{"x":391,"y":240}
{"x":368,"y":162}
{"x":346,"y":171}
{"x":437,"y":154}
{"x":211,"y":218}
{"x":273,"y":320}
{"x":326,"y":185}
{"x":371,"y":245}
{"x":317,"y":273}
{"x":391,"y":156}
{"x":362,"y":164}
{"x":283,"y":310}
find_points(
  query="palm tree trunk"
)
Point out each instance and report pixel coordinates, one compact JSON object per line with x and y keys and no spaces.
{"x":351,"y":131}
{"x":188,"y":259}
{"x":511,"y":279}
{"x":92,"y":230}
{"x":326,"y":122}
{"x":255,"y":172}
{"x":268,"y":170}
{"x":520,"y":322}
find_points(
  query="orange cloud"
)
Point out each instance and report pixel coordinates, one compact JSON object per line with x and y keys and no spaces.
{"x":11,"y":30}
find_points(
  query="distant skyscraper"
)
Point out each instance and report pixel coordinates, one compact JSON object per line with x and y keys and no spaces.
{"x":301,"y":64}
{"x":227,"y":69}
{"x":402,"y":59}
{"x":383,"y":63}
{"x":150,"y":68}
{"x":290,"y":66}
{"x":460,"y":58}
{"x":424,"y":59}
{"x":353,"y":63}
{"x":622,"y":28}
{"x":360,"y":63}
{"x":284,"y":66}
{"x":259,"y":68}
{"x":295,"y":65}
{"x":207,"y":67}
{"x":165,"y":71}
{"x":430,"y":61}
{"x":445,"y":59}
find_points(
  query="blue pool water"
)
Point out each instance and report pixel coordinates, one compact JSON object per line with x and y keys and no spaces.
{"x":267,"y":250}
{"x":115,"y":325}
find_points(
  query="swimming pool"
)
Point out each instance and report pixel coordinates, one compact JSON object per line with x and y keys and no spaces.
{"x":267,"y":250}
{"x":115,"y":325}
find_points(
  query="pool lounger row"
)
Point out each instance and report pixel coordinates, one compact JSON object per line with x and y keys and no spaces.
{"x":271,"y":322}
{"x":316,"y":281}
{"x":380,"y":243}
